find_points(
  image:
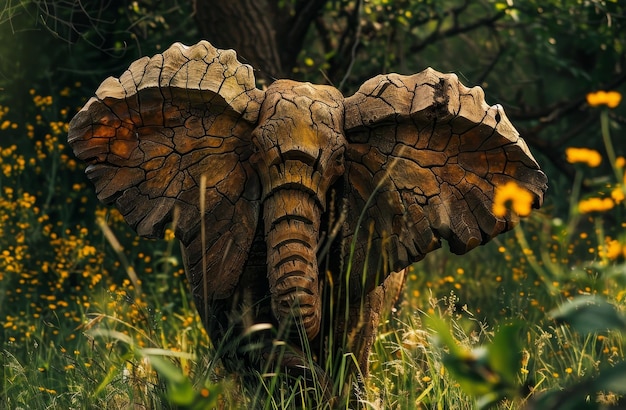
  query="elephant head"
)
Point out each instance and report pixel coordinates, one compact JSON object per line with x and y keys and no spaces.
{"x":300,"y":150}
{"x":414,"y":159}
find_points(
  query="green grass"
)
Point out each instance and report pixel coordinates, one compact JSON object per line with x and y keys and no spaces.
{"x":92,"y":316}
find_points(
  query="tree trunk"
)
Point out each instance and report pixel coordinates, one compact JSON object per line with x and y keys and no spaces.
{"x":266,"y":35}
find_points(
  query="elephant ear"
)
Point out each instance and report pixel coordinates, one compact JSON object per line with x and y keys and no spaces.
{"x":174,"y":131}
{"x":424,"y":157}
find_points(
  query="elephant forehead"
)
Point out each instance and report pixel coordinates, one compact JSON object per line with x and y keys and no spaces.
{"x":292,"y":106}
{"x":298,"y":134}
{"x":291,"y":89}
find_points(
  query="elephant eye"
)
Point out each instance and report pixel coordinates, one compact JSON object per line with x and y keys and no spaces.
{"x":254,"y":146}
{"x":339,"y":158}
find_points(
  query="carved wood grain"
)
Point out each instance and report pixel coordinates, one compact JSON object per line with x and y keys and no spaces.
{"x":416,"y":158}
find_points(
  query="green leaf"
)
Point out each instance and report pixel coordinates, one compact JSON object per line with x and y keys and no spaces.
{"x":444,"y":336}
{"x":501,"y":6}
{"x":590,"y":314}
{"x":473,"y":368}
{"x":612,"y":379}
{"x":575,"y":397}
{"x":180,"y":390}
{"x":505,"y":353}
{"x":167,"y":370}
{"x":562,"y":400}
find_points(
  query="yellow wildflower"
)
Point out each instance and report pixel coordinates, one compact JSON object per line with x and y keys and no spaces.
{"x":169,"y":234}
{"x":595,"y":204}
{"x":617,"y":194}
{"x":620,"y":162}
{"x":86,"y":250}
{"x":588,"y":156}
{"x":609,"y":98}
{"x":613,"y":249}
{"x":521,"y":199}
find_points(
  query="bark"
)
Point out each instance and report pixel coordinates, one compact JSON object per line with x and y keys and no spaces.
{"x":266,"y":34}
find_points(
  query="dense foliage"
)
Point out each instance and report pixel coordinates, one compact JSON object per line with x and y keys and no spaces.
{"x":94,"y":316}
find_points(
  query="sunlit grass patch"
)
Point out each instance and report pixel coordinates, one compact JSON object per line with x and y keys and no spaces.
{"x":59,"y":277}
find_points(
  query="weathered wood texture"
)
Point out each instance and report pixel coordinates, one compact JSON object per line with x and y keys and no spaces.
{"x":405,"y":162}
{"x":433,"y":151}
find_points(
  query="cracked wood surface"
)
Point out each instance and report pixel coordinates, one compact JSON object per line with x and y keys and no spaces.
{"x":433,"y":152}
{"x":409,"y":160}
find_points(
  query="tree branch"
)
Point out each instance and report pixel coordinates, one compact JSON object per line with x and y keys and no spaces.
{"x":348,"y":43}
{"x":494,"y":61}
{"x":556,"y":111}
{"x":436,"y":35}
{"x":291,"y":37}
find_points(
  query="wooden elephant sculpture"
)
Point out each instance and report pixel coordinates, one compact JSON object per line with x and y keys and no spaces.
{"x":294,"y":206}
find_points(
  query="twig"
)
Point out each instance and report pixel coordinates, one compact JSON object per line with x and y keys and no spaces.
{"x":355,"y":44}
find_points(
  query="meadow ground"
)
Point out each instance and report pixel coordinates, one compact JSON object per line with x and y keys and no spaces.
{"x":93,"y":316}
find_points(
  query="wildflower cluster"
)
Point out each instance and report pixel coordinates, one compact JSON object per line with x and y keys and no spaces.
{"x":525,"y":275}
{"x":520,"y":198}
{"x":612,"y":195}
{"x":609,"y":98}
{"x":58,"y":272}
{"x":587,"y":156}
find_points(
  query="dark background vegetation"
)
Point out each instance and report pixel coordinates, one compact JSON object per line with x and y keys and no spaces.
{"x":538,"y":59}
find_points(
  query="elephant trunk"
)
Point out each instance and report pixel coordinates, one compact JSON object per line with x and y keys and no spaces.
{"x":292,"y":221}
